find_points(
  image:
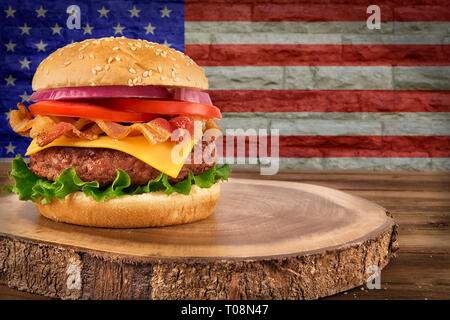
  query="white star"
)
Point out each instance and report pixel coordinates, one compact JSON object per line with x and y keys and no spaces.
{"x":165,"y":12}
{"x":10,"y":12}
{"x":118,"y":29}
{"x":103,"y":12}
{"x":25,"y":29}
{"x":7,"y":114}
{"x":41,"y":12}
{"x":10,"y":148}
{"x":87,"y":29}
{"x":134,"y":12}
{"x":25,"y":63}
{"x":25,"y":96}
{"x":10,"y":46}
{"x":56,"y":29}
{"x":166,"y":43}
{"x":10,"y":80}
{"x":149,"y":29}
{"x":41,"y":46}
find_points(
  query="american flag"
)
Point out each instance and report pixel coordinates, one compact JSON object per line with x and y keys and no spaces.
{"x":31,"y":30}
{"x":342,"y":95}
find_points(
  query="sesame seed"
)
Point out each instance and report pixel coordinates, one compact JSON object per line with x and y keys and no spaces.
{"x":130,"y":82}
{"x":110,"y":59}
{"x":93,"y":71}
{"x":163,"y":78}
{"x":59,"y":53}
{"x":132,"y":70}
{"x":133,"y":48}
{"x":117,"y":59}
{"x":116,"y":48}
{"x":138,"y":44}
{"x":145,"y":74}
{"x":121,"y":42}
{"x":147,"y":46}
{"x":150,"y":73}
{"x":135,"y":80}
{"x":98,"y":68}
{"x":173,"y":59}
{"x":107,"y":67}
{"x":176,"y":79}
{"x":189,"y":78}
{"x":67,"y":63}
{"x":92,"y":83}
{"x":91,"y":56}
{"x":80,"y":56}
{"x":174,"y":74}
{"x":156,"y":53}
{"x":159,"y":69}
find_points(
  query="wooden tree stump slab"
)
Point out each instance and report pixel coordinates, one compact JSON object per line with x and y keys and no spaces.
{"x":266,"y":240}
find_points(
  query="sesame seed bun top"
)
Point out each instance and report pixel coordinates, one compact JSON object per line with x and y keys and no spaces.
{"x":118,"y":61}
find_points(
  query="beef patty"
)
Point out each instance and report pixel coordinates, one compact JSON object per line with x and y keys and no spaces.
{"x":99,"y":164}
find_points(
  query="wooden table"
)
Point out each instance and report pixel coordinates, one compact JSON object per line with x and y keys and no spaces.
{"x":419,"y":203}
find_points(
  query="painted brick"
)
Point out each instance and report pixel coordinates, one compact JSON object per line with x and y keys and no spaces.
{"x":392,"y":39}
{"x":354,"y":78}
{"x":299,"y":78}
{"x":392,"y":54}
{"x":247,"y":78}
{"x":421,"y":78}
{"x":329,"y":127}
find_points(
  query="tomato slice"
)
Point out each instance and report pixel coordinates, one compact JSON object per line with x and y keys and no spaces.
{"x":87,"y":110}
{"x":162,"y":107}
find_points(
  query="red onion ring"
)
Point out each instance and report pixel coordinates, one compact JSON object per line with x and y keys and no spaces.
{"x":190,"y":95}
{"x":102,"y":92}
{"x":85,"y":93}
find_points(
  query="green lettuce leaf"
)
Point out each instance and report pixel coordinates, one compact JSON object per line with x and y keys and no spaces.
{"x":31,"y":187}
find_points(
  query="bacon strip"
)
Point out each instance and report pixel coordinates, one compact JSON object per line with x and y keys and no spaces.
{"x":63,"y":128}
{"x":46,"y":129}
{"x":21,"y":120}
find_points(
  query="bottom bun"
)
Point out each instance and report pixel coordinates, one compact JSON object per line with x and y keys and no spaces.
{"x":138,"y":211}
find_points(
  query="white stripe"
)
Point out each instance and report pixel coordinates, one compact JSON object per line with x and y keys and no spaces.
{"x":329,"y":78}
{"x":378,"y":164}
{"x":342,"y":123}
{"x":25,"y":159}
{"x":375,"y":164}
{"x":242,"y":32}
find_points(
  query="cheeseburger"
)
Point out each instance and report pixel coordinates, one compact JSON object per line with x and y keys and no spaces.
{"x":121,"y":137}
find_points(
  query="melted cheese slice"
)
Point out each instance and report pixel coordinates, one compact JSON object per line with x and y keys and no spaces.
{"x":159,"y":155}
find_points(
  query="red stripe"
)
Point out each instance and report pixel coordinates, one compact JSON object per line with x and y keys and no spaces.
{"x":357,"y":146}
{"x":345,"y":2}
{"x":318,"y":54}
{"x":329,"y":11}
{"x":331,"y":101}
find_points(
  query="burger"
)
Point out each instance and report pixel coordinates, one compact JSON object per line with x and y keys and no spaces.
{"x":123,"y":136}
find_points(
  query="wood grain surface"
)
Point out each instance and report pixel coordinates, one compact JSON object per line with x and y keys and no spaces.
{"x":421,"y":270}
